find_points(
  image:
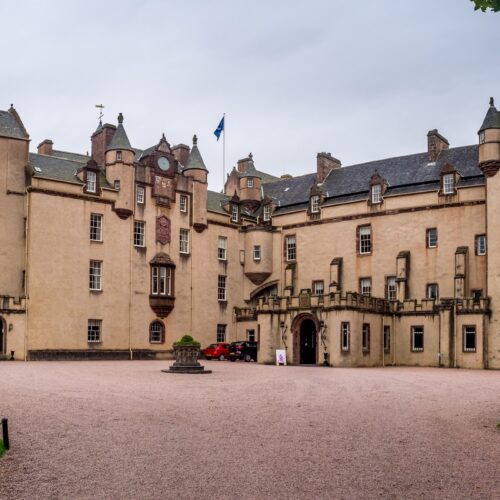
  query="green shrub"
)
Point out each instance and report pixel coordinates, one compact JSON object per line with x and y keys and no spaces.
{"x":2,"y":448}
{"x":187,"y":340}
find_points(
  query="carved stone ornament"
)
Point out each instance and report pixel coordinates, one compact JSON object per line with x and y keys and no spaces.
{"x":162,"y":230}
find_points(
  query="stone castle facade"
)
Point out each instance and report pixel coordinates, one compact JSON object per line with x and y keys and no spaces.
{"x":119,"y":253}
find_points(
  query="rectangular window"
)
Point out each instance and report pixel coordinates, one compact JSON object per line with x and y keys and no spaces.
{"x":256,"y":252}
{"x":96,"y":227}
{"x":184,"y":241}
{"x":431,"y":238}
{"x":94,"y":330}
{"x":250,"y":183}
{"x":251,"y":335}
{"x":376,"y":194}
{"x":161,"y":280}
{"x":95,"y":275}
{"x":391,"y":288}
{"x":448,"y":183}
{"x":156,"y":333}
{"x":91,"y":181}
{"x":365,"y":239}
{"x":291,"y":248}
{"x":387,"y":338}
{"x":221,"y":333}
{"x":222,"y":248}
{"x":318,"y":287}
{"x":140,"y":195}
{"x":480,"y":244}
{"x":221,"y":288}
{"x":183,"y":203}
{"x":118,"y":156}
{"x":476,"y":296}
{"x":139,"y":231}
{"x":365,"y":286}
{"x":234,"y":213}
{"x":345,"y":333}
{"x":116,"y":185}
{"x":315,"y":204}
{"x":481,"y":137}
{"x":469,"y":341}
{"x":267,"y":213}
{"x":417,"y":338}
{"x":432,"y":291}
{"x":366,"y":337}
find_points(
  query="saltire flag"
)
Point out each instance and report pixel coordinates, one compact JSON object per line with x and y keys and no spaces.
{"x":218,"y":131}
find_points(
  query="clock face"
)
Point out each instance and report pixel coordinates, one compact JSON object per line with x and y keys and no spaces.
{"x":163,"y":163}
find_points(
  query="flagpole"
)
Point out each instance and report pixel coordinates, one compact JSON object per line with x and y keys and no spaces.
{"x":224,"y":152}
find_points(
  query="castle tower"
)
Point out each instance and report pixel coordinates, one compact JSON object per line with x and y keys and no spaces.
{"x":250,"y":184}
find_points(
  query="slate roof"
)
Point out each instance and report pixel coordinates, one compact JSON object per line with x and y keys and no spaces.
{"x":492,"y":118}
{"x":195,"y":161}
{"x":404,"y":174}
{"x":120,"y":139}
{"x":70,"y":156}
{"x":11,"y":126}
{"x":215,"y":201}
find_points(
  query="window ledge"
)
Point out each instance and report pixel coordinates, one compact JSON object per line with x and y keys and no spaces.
{"x":91,"y":290}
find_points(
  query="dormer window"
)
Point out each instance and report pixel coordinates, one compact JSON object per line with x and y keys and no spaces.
{"x":266,"y":215}
{"x":448,"y":184}
{"x":315,"y":204}
{"x":250,"y":182}
{"x":91,"y":186}
{"x":376,"y":194}
{"x":234,"y":213}
{"x":118,"y":156}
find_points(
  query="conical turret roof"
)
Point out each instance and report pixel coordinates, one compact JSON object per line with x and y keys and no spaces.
{"x":120,"y":139}
{"x":195,"y":161}
{"x":492,"y":118}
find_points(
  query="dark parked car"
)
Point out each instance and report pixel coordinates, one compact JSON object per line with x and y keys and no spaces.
{"x":218,"y":351}
{"x":243,"y":349}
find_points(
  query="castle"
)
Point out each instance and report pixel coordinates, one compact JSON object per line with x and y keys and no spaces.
{"x":117,"y":254}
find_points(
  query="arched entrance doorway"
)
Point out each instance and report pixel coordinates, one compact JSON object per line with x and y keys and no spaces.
{"x":305,"y":345}
{"x":3,"y":340}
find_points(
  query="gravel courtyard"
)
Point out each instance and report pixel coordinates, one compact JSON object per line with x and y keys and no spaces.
{"x":122,"y":429}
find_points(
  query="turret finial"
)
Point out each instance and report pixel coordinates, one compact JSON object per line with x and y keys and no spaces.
{"x":250,"y":155}
{"x":120,"y":118}
{"x":163,"y":138}
{"x":492,"y":102}
{"x":195,"y":140}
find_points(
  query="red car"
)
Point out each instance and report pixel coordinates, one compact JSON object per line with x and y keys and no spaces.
{"x":218,"y":351}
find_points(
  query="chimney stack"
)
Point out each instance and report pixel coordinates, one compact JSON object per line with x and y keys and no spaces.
{"x":45,"y":147}
{"x":101,"y":139}
{"x":325,"y":163}
{"x":435,"y":144}
{"x":181,"y":153}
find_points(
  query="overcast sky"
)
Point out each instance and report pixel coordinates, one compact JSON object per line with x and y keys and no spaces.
{"x":362,"y":80}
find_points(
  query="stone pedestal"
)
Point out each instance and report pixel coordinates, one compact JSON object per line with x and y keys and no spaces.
{"x":186,"y":360}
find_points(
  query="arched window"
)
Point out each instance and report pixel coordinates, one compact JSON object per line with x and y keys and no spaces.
{"x":156,"y":333}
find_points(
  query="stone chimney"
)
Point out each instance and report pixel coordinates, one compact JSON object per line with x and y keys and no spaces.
{"x":435,"y":144}
{"x":244,"y":163}
{"x":45,"y":147}
{"x":181,"y":153}
{"x":325,"y":163}
{"x":101,"y":139}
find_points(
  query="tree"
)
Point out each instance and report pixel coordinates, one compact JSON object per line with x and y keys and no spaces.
{"x":484,"y":5}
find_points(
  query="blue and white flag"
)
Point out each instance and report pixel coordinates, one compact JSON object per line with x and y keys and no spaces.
{"x":218,"y":131}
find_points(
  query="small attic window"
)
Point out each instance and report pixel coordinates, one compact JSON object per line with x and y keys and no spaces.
{"x":315,"y":204}
{"x":448,"y":184}
{"x":267,"y":213}
{"x":234,"y":213}
{"x":118,"y":156}
{"x":376,"y":194}
{"x":250,"y":182}
{"x":37,"y":169}
{"x":286,"y":189}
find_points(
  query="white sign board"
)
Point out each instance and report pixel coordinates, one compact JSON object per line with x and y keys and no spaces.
{"x":281,"y":357}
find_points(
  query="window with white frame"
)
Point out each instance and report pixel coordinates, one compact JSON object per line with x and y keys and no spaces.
{"x":91,"y":181}
{"x":469,"y":341}
{"x":366,"y":337}
{"x":96,"y":227}
{"x":94,"y":331}
{"x":234,"y":213}
{"x":318,"y":287}
{"x":118,"y":156}
{"x":116,"y":185}
{"x":291,"y":248}
{"x":250,"y":182}
{"x":432,"y":237}
{"x":365,"y":286}
{"x":391,"y":288}
{"x":139,"y":231}
{"x":222,"y":248}
{"x":315,"y":204}
{"x":161,"y":280}
{"x":95,"y":275}
{"x":417,"y":338}
{"x":482,"y":138}
{"x":184,"y":241}
{"x":221,"y":333}
{"x":376,"y":194}
{"x":481,"y":244}
{"x":448,"y":183}
{"x":256,"y":252}
{"x":266,"y":213}
{"x":183,"y":203}
{"x":221,"y":288}
{"x":345,"y":334}
{"x":140,"y":195}
{"x":156,"y":333}
{"x":387,"y":338}
{"x":432,"y":291}
{"x":365,"y":239}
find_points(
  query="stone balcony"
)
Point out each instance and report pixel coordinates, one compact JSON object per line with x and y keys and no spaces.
{"x":12,"y":305}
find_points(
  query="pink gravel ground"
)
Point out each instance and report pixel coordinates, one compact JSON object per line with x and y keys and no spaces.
{"x":126,"y":430}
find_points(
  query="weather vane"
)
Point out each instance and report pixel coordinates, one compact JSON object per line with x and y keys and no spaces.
{"x":101,"y":107}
